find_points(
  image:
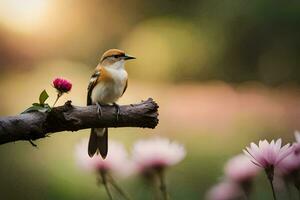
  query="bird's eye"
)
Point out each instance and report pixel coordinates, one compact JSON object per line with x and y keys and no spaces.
{"x":116,"y":56}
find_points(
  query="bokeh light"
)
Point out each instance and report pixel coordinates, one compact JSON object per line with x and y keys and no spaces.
{"x":24,"y":16}
{"x":164,"y":46}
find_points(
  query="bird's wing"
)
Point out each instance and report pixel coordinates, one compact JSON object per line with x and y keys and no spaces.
{"x":93,"y":82}
{"x":125,"y":87}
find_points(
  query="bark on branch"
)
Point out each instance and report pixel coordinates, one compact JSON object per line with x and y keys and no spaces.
{"x":32,"y":126}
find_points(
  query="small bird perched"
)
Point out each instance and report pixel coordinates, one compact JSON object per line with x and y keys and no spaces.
{"x":106,"y":86}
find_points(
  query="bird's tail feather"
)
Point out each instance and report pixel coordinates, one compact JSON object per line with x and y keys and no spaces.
{"x":98,"y":142}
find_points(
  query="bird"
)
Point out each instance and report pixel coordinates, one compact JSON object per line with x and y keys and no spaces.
{"x":107,"y":84}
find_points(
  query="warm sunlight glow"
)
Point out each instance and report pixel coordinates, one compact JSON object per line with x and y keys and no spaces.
{"x":23,"y":15}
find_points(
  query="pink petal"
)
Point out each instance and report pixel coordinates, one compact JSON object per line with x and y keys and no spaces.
{"x":297,"y":136}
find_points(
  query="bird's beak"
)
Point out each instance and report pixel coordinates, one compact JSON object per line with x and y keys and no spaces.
{"x":128,"y":57}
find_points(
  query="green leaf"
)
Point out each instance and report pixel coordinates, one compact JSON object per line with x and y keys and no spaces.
{"x":43,"y":97}
{"x":27,"y":110}
{"x":36,"y":104}
{"x":37,"y":107}
{"x":46,"y":108}
{"x":32,"y":109}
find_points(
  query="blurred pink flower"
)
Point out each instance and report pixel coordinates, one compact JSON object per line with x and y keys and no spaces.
{"x":116,"y":161}
{"x":225,"y":191}
{"x":240,"y":169}
{"x":62,"y":85}
{"x":268,"y":155}
{"x":156,"y":153}
{"x":291,"y":163}
{"x":297,"y":136}
{"x":297,"y":143}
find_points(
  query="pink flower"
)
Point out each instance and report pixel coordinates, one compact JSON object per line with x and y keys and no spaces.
{"x":268,"y":155}
{"x":115,"y":162}
{"x":297,"y":143}
{"x":291,"y":163}
{"x":240,"y":169}
{"x":297,"y":136}
{"x":225,"y":191}
{"x":156,"y":153}
{"x":62,"y":85}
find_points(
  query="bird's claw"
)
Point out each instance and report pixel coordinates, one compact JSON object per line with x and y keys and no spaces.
{"x":118,"y":110}
{"x":32,"y":143}
{"x":99,"y":110}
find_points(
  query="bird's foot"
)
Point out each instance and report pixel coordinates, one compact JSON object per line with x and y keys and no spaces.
{"x":32,"y":143}
{"x":117,"y":109}
{"x":99,"y":110}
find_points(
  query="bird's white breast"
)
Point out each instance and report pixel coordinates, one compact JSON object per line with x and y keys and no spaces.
{"x":110,"y":91}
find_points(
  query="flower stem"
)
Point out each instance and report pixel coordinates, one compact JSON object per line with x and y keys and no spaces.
{"x":104,"y":182}
{"x":273,"y":191}
{"x":163,"y":186}
{"x":270,"y":174}
{"x":58,"y":95}
{"x":119,"y":189}
{"x":297,"y":185}
{"x":247,"y":187}
{"x":288,"y":187}
{"x":155,"y":188}
{"x":298,"y":190}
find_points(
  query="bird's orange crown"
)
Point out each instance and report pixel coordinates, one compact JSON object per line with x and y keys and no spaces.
{"x":112,"y":52}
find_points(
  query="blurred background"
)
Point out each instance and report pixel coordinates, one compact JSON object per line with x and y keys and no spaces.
{"x":225,"y":73}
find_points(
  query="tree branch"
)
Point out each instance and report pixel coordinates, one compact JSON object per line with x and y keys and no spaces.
{"x":35,"y":125}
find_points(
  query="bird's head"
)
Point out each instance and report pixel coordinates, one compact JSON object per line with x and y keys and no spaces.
{"x":114,"y":58}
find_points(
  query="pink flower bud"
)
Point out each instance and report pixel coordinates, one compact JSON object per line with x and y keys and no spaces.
{"x":62,"y":85}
